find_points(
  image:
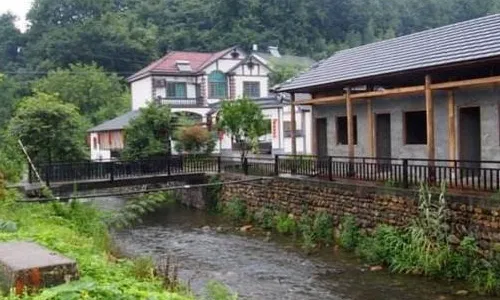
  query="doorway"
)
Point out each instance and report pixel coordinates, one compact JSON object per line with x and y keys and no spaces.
{"x":470,"y":137}
{"x":383,"y":135}
{"x":321,"y":137}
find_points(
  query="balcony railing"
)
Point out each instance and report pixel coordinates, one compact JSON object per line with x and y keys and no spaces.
{"x":182,"y":102}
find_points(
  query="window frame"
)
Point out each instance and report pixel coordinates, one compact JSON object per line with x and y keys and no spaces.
{"x":405,"y":128}
{"x":175,"y":84}
{"x":337,"y":131}
{"x":216,"y":85}
{"x":257,"y":83}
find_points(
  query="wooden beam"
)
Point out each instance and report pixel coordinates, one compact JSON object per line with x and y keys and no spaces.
{"x":370,"y":131}
{"x":452,"y":135}
{"x":466,"y":83}
{"x":429,"y":108}
{"x":324,"y":100}
{"x":350,"y":129}
{"x":390,"y":92}
{"x":293,"y":124}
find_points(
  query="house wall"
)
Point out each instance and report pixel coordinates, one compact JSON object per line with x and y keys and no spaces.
{"x":142,"y":92}
{"x":190,"y":85}
{"x":96,"y":153}
{"x":303,"y":120}
{"x":486,"y":98}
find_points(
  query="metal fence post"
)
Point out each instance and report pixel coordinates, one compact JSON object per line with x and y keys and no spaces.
{"x":169,"y":159}
{"x":112,"y":172}
{"x":219,"y":164}
{"x":245,"y":166}
{"x":405,"y":173}
{"x":47,"y":175}
{"x":30,"y":174}
{"x":277,"y":165}
{"x":330,"y":168}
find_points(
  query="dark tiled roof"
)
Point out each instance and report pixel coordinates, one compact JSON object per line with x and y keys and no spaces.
{"x":117,"y":123}
{"x":168,"y":64}
{"x":465,"y":41}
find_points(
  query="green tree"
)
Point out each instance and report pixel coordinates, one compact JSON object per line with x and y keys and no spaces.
{"x":8,"y":98}
{"x":149,"y":134}
{"x":244,"y":121}
{"x":49,"y":129}
{"x":194,"y":138}
{"x":10,"y":43}
{"x":98,"y":95}
{"x":12,"y":161}
{"x":282,"y":72}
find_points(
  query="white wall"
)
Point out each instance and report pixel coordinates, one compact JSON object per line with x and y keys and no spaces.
{"x":141,"y":92}
{"x":303,"y":122}
{"x":95,"y":152}
{"x":264,"y":90}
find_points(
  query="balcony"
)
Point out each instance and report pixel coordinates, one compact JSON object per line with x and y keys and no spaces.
{"x":181,"y":102}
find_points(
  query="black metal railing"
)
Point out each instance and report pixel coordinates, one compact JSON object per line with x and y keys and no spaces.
{"x":405,"y":173}
{"x":181,"y":102}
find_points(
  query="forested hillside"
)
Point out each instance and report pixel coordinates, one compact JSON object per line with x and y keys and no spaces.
{"x":123,"y":35}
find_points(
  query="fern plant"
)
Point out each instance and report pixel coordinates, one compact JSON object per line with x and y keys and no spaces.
{"x":136,"y":208}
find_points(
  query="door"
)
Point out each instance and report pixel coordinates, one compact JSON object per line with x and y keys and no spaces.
{"x":383,"y":135}
{"x":470,"y":139}
{"x":321,"y":137}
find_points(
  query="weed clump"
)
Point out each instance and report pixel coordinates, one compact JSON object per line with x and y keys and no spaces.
{"x":235,"y":210}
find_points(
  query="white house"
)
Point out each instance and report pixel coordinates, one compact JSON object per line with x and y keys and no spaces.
{"x":192,"y":83}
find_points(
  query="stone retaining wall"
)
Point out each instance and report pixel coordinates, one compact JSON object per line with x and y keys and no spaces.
{"x":370,"y":205}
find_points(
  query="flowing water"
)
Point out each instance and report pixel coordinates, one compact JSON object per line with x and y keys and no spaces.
{"x":258,"y":268}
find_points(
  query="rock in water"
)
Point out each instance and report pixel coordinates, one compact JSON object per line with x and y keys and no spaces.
{"x":462,"y":293}
{"x":376,"y":268}
{"x":206,"y":228}
{"x":246,"y":228}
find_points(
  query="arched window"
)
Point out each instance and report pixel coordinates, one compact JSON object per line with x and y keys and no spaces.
{"x":217,"y":85}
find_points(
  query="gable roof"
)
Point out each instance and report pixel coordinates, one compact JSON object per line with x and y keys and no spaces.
{"x":117,"y":123}
{"x":168,"y":63}
{"x":460,"y":42}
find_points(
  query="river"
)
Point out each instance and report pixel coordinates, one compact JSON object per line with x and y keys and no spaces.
{"x":258,"y":268}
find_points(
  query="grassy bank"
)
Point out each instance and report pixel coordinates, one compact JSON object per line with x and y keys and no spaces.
{"x":427,"y":246}
{"x":79,"y":231}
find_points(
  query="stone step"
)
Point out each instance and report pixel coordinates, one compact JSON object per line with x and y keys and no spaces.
{"x":29,"y":266}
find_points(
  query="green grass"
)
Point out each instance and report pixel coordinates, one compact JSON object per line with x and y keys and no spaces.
{"x":79,"y":232}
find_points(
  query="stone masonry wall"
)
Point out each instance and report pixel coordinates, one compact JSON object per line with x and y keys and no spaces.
{"x":370,"y":205}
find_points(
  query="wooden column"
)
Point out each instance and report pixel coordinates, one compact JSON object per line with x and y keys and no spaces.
{"x":429,"y":107}
{"x":314,"y":132}
{"x":293,"y":124}
{"x":452,"y":134}
{"x":371,"y":132}
{"x":350,"y":129}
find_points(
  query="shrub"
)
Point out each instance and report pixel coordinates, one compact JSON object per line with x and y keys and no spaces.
{"x":214,"y":192}
{"x":323,"y":228}
{"x":194,"y":139}
{"x":264,"y":217}
{"x":143,"y":267}
{"x":285,"y":223}
{"x":305,"y":226}
{"x":381,"y":246}
{"x":349,"y":234}
{"x":217,"y":291}
{"x":235,"y":210}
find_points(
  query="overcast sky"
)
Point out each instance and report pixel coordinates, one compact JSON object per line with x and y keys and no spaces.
{"x":17,"y":7}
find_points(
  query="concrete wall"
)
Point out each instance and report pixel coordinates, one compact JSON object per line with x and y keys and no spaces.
{"x":142,"y":92}
{"x":487,"y":98}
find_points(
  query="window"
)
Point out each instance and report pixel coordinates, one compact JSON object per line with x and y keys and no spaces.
{"x":342,"y":130}
{"x":287,"y":129}
{"x":217,"y":85}
{"x":415,"y":126}
{"x":251,"y":89}
{"x":176,"y":89}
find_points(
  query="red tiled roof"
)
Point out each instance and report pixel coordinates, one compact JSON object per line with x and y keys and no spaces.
{"x":167,"y":64}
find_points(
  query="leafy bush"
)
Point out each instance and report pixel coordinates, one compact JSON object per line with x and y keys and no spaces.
{"x":382,"y":246}
{"x":217,"y":291}
{"x":235,"y":210}
{"x":285,"y":223}
{"x":306,"y":230}
{"x":264,"y":218}
{"x":323,"y":228}
{"x":194,"y":139}
{"x":349,"y":234}
{"x":214,"y":193}
{"x":143,"y":267}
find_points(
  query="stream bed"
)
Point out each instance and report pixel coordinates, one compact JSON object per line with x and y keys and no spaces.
{"x":260,"y":268}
